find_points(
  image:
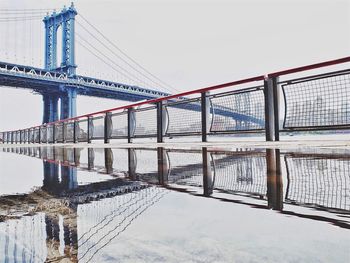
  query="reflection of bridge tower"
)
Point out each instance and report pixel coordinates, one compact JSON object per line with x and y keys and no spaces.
{"x":64,"y":20}
{"x":52,"y":182}
{"x":51,"y":177}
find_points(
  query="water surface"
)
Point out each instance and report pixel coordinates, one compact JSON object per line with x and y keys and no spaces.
{"x":174,"y":205}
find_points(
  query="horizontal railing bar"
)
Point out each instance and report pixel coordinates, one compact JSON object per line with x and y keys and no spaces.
{"x":252,"y":89}
{"x":311,"y":128}
{"x":315,"y":77}
{"x":236,"y":131}
{"x":198,"y":99}
{"x":309,"y":67}
{"x":176,"y":134}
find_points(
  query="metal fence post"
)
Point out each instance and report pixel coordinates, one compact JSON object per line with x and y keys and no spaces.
{"x":39,"y":134}
{"x":205,"y":113}
{"x":74,"y":131}
{"x":63,"y":132}
{"x":276,"y":106}
{"x":89,"y":129}
{"x":130,"y":124}
{"x":269,"y":115}
{"x":54,"y":133}
{"x":107,"y":127}
{"x":160,"y":120}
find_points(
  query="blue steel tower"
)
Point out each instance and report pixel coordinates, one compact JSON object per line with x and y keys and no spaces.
{"x":66,"y":94}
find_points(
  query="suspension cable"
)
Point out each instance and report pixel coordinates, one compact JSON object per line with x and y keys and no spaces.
{"x":103,"y":60}
{"x":124,"y":60}
{"x":121,"y":51}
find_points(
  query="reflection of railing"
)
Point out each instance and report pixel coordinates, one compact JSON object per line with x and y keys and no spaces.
{"x":318,"y":182}
{"x":243,"y":174}
{"x":314,"y":102}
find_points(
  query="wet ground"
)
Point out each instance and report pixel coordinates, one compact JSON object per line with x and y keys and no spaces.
{"x":194,"y":204}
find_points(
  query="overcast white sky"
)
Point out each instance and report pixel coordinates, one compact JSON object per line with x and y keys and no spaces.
{"x":191,"y":44}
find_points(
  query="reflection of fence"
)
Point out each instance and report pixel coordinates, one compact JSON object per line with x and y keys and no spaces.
{"x":320,"y":182}
{"x":243,"y":174}
{"x":313,"y":179}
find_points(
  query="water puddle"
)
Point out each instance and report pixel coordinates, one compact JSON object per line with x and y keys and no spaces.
{"x":174,"y":205}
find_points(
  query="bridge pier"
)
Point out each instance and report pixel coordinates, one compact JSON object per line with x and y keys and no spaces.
{"x":68,"y":103}
{"x":50,"y":108}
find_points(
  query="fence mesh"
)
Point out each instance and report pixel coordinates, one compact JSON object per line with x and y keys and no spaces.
{"x":25,"y":135}
{"x":36,"y":135}
{"x":119,"y":125}
{"x":239,"y":111}
{"x":146,"y":122}
{"x":59,"y":132}
{"x":184,"y":117}
{"x":320,"y":182}
{"x":50,"y":130}
{"x":43,"y":134}
{"x":318,"y":102}
{"x":82,"y":130}
{"x":18,"y":136}
{"x":69,"y":131}
{"x":31,"y":135}
{"x":98,"y":127}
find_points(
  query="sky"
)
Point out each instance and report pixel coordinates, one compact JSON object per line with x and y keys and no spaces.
{"x":188,"y":44}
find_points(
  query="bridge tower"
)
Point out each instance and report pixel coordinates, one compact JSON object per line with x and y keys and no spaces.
{"x":66,"y":94}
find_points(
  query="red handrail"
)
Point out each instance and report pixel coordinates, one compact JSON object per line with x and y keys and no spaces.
{"x":310,"y":67}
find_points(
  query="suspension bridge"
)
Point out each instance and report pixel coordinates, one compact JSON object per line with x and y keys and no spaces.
{"x":272,"y":103}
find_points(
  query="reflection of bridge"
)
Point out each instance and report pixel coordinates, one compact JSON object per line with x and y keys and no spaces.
{"x":243,"y":174}
{"x":96,"y":223}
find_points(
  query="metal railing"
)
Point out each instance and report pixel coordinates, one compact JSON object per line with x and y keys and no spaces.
{"x":313,"y":102}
